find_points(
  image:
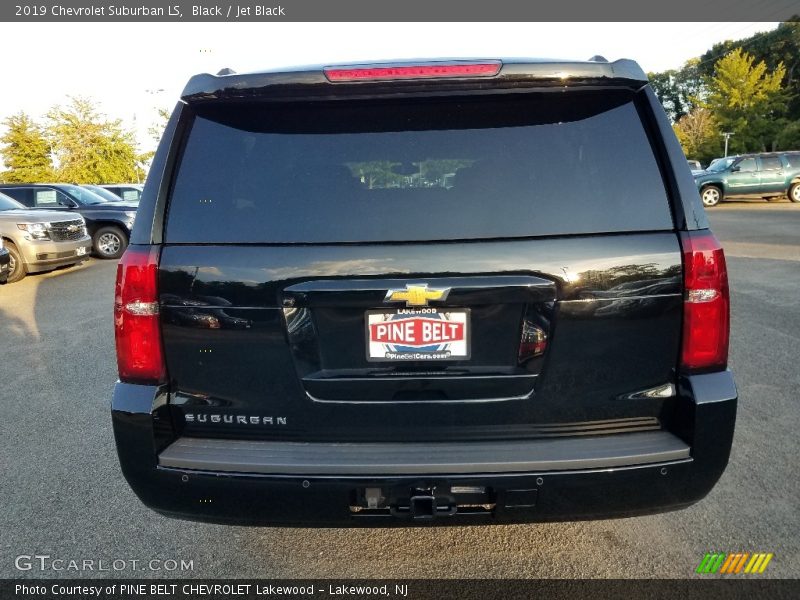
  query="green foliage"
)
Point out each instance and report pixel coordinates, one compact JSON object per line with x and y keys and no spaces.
{"x":751,"y":88}
{"x":434,"y":170}
{"x":680,"y":90}
{"x":376,"y":173}
{"x":88,"y":147}
{"x":25,"y":151}
{"x":789,"y":136}
{"x":699,"y":135}
{"x":779,"y":46}
{"x":748,"y":100}
{"x":156,"y":130}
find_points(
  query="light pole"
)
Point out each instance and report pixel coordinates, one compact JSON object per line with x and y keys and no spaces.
{"x":727,"y":135}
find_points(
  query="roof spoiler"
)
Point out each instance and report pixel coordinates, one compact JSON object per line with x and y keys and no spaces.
{"x":449,"y":75}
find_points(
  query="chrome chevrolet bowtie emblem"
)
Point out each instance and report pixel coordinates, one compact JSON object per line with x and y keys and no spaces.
{"x":416,"y":294}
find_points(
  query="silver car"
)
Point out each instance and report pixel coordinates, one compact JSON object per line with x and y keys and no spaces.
{"x":41,"y":240}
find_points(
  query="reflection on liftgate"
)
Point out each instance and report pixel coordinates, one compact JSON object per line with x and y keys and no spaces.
{"x":422,"y":293}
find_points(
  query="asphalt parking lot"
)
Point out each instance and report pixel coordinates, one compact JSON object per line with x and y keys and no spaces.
{"x":63,"y":495}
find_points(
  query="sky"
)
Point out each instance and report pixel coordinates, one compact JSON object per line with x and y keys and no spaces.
{"x":132,"y":69}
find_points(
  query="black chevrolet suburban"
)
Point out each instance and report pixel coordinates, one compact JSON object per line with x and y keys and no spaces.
{"x":447,"y":292}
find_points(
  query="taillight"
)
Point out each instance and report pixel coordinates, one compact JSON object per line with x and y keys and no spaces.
{"x":533,"y":341}
{"x":706,"y":303}
{"x":427,"y":71}
{"x":140,"y":358}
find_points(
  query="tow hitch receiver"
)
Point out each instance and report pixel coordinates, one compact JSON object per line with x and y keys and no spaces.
{"x":423,"y":501}
{"x":424,"y":505}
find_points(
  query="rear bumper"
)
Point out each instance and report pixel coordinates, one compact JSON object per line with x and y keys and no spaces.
{"x":269,"y":483}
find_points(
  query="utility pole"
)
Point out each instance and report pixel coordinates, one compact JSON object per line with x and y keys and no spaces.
{"x":727,"y":135}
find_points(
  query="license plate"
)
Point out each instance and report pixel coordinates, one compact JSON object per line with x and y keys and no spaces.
{"x":422,"y":334}
{"x":81,"y":250}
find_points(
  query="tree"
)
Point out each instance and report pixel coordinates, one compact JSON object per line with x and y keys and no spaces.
{"x":698,"y":134}
{"x":376,"y":173}
{"x":435,"y":170}
{"x":89,"y":147}
{"x":748,"y":100}
{"x":780,"y":45}
{"x":679,"y":90}
{"x":156,"y":130}
{"x":666,"y":90}
{"x":766,"y":125}
{"x":789,"y":137}
{"x":25,"y":151}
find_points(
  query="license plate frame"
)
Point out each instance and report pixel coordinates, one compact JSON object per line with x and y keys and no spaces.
{"x":457,"y":349}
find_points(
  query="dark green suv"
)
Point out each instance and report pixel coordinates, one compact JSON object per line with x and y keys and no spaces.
{"x":769,"y":176}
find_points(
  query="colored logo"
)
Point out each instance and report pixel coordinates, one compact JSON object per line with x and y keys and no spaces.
{"x":416,"y":294}
{"x":734,"y":563}
{"x":417,"y":332}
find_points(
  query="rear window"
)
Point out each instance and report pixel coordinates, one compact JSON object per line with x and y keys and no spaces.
{"x":475,"y":168}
